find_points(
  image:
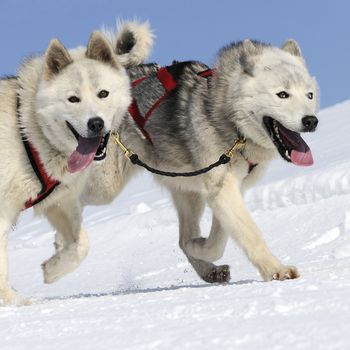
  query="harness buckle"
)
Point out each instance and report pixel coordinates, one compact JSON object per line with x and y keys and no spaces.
{"x":127,"y":153}
{"x":239,"y":143}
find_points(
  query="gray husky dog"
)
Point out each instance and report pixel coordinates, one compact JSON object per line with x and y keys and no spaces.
{"x":56,"y":118}
{"x":184,"y":116}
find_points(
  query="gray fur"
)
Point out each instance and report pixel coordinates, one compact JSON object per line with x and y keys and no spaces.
{"x":199,"y":121}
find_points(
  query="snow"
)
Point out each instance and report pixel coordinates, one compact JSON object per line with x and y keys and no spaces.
{"x":136,"y":289}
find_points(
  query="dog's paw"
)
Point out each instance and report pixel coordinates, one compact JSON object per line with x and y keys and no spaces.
{"x":52,"y":269}
{"x":22,"y":301}
{"x":10,"y":297}
{"x":283,"y":273}
{"x":62,"y":263}
{"x":218,"y":274}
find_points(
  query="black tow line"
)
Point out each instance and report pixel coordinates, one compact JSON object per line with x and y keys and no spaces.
{"x":224,"y":159}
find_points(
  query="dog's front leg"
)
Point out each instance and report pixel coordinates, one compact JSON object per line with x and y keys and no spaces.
{"x":227,"y":204}
{"x":190,"y":207}
{"x":71,"y":241}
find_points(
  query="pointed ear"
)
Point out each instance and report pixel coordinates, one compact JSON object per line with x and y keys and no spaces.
{"x":292,"y":47}
{"x":99,"y":49}
{"x":247,"y":57}
{"x":250,"y":47}
{"x":56,"y":58}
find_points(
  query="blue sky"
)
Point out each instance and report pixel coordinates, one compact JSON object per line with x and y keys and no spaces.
{"x":190,"y":30}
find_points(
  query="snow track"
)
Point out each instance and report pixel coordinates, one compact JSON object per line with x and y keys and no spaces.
{"x":136,"y":289}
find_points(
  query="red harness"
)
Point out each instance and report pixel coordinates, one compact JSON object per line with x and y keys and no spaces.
{"x":48,"y":184}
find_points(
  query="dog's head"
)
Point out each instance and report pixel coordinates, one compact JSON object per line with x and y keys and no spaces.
{"x":81,"y":98}
{"x":273,"y":96}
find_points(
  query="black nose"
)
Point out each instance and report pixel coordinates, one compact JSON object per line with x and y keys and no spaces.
{"x":310,"y":122}
{"x":95,"y":124}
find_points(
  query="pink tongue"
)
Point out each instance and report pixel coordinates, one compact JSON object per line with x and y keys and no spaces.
{"x":82,"y":157}
{"x":301,"y":158}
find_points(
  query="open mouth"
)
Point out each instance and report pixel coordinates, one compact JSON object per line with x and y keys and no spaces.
{"x":88,"y":149}
{"x":289,"y":143}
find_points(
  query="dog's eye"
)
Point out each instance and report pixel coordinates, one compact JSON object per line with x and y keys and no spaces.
{"x":310,"y":95}
{"x":103,"y":94}
{"x":283,"y":94}
{"x":74,"y":99}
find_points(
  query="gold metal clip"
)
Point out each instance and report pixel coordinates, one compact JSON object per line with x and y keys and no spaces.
{"x":239,"y":143}
{"x":127,"y":153}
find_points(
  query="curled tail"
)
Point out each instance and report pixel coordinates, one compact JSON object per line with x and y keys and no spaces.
{"x":132,"y":41}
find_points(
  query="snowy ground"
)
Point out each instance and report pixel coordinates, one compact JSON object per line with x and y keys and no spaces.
{"x":137,"y":291}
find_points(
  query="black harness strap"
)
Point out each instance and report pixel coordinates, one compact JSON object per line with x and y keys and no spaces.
{"x":134,"y":158}
{"x":224,"y":159}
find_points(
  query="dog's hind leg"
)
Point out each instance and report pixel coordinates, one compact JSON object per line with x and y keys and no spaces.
{"x":8,"y":296}
{"x":211,"y":248}
{"x":228,"y":206}
{"x":71,"y":242}
{"x":190,"y":207}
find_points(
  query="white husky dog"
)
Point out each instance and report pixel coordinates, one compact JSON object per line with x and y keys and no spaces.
{"x":56,"y":116}
{"x":184,"y":116}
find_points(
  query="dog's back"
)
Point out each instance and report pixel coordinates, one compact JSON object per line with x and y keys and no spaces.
{"x":160,"y":104}
{"x":11,"y":149}
{"x":8,"y":87}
